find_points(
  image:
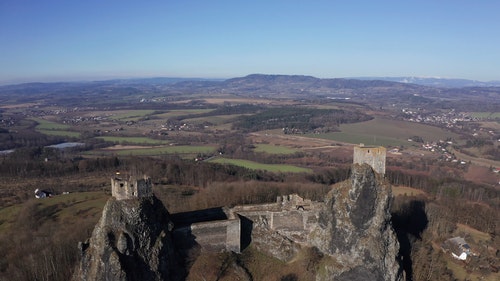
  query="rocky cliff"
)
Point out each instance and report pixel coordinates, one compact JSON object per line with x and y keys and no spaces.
{"x":351,"y":232}
{"x":132,"y":241}
{"x":354,"y":230}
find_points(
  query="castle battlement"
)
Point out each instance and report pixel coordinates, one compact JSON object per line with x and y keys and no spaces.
{"x":371,"y":155}
{"x":131,"y":188}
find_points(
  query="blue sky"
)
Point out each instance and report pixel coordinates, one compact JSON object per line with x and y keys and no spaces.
{"x":99,"y":39}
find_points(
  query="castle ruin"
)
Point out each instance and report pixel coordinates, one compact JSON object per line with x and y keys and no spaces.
{"x":131,"y":188}
{"x":230,"y":229}
{"x":371,"y":155}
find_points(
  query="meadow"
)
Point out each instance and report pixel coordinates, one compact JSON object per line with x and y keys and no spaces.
{"x":132,"y":115}
{"x":60,"y":133}
{"x":181,"y":112}
{"x":277,"y":168}
{"x":76,"y":204}
{"x":386,"y":132}
{"x":48,"y":125}
{"x":486,"y":115}
{"x":132,"y":140}
{"x":63,"y":207}
{"x":274,"y":149}
{"x":181,"y":149}
{"x":54,"y":129}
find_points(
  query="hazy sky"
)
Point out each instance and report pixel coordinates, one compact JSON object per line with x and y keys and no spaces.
{"x":48,"y":40}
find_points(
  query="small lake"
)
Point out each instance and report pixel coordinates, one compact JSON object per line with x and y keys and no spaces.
{"x":66,"y":145}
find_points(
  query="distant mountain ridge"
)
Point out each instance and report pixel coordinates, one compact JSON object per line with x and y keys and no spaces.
{"x":368,"y":90}
{"x":274,"y":79}
{"x":436,"y":81}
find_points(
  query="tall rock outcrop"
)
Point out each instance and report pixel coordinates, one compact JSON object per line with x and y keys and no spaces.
{"x":131,"y":241}
{"x":354,"y":229}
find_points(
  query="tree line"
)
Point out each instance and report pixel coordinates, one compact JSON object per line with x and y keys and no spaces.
{"x":304,"y":120}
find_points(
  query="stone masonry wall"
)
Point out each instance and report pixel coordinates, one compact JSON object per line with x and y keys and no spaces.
{"x":371,"y":155}
{"x":123,"y":189}
{"x":212,"y":236}
{"x":291,"y":217}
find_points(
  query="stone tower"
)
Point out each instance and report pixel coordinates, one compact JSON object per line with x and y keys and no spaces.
{"x":132,"y":188}
{"x":371,"y":155}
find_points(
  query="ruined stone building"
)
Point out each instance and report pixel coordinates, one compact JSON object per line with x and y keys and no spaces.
{"x":129,"y":187}
{"x":233,"y":229}
{"x":137,"y":238}
{"x":371,"y":155}
{"x":291,"y":219}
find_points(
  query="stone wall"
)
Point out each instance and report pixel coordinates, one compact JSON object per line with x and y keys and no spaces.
{"x":122,"y":188}
{"x":232,"y":229}
{"x":214,"y":236}
{"x":371,"y":155}
{"x":294,"y":225}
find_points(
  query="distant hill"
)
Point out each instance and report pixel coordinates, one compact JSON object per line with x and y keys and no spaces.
{"x":436,"y":82}
{"x":155,"y":80}
{"x":378,"y":92}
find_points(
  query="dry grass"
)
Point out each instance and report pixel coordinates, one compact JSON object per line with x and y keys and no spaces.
{"x":476,"y":235}
{"x":277,"y":168}
{"x":399,"y":190}
{"x":460,"y":273}
{"x":226,"y":266}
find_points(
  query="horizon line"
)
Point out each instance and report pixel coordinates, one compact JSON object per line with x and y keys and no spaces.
{"x":104,"y":78}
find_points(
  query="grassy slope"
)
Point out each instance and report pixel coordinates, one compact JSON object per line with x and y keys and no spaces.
{"x":132,"y":115}
{"x":65,"y":208}
{"x":133,"y":140}
{"x":177,"y":113}
{"x":380,"y":131}
{"x":274,"y":149}
{"x":259,"y":166}
{"x":181,"y":149}
{"x":48,"y":125}
{"x":54,"y":129}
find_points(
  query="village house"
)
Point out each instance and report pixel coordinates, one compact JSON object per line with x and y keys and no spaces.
{"x":457,"y":247}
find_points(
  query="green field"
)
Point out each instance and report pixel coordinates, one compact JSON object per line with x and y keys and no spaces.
{"x":181,"y":112}
{"x":278,"y":168}
{"x":360,"y":138}
{"x":54,"y":129}
{"x":181,"y":149}
{"x":60,"y":133}
{"x":485,"y":115}
{"x":48,"y":125}
{"x":274,"y":149}
{"x":133,"y":140}
{"x":132,"y":115}
{"x":386,"y":132}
